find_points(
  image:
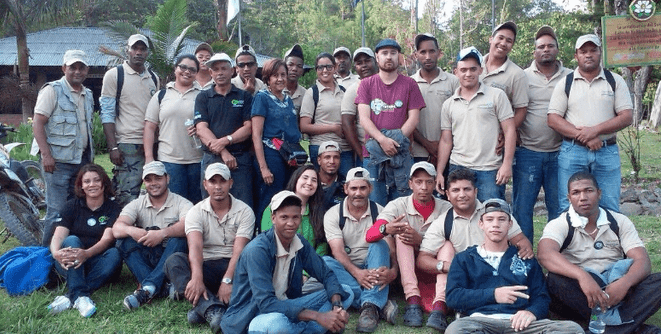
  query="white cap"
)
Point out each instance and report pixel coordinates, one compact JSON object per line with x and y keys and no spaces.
{"x":342,"y":49}
{"x":364,"y":50}
{"x":424,"y":165}
{"x":328,"y":146}
{"x":74,"y":56}
{"x":246,"y":49}
{"x":138,"y":38}
{"x":277,"y":199}
{"x":592,"y":38}
{"x":358,"y":173}
{"x":218,"y":57}
{"x":217,"y":168}
{"x":154,"y":167}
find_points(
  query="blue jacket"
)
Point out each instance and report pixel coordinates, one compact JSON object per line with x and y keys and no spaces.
{"x":253,"y":293}
{"x":472,"y":283}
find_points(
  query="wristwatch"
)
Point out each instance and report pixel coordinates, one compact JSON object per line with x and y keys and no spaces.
{"x":226,"y":280}
{"x":230,"y":139}
{"x":382,"y":229}
{"x":439,"y":266}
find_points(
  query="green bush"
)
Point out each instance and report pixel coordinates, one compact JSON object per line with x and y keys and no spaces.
{"x":98,"y":136}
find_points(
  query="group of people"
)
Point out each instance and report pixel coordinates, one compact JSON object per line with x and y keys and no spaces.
{"x":334,"y":234}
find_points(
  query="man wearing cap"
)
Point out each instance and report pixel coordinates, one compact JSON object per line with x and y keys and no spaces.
{"x":245,"y":61}
{"x":269,"y":278}
{"x":123,"y":116}
{"x":536,"y":159}
{"x":294,"y":62}
{"x":471,"y":120}
{"x":343,"y":59}
{"x":497,"y":291}
{"x":500,"y":72}
{"x":365,"y":66}
{"x":368,"y":268}
{"x":217,"y":230}
{"x":595,"y":257}
{"x":588,"y":112}
{"x":436,"y":86}
{"x":222,"y":121}
{"x":454,"y":231}
{"x":63,"y":132}
{"x":150,"y":229}
{"x":389,"y":106}
{"x":203,"y":53}
{"x":407,"y":219}
{"x":332,"y":181}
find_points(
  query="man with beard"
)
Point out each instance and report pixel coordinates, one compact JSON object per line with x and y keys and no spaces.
{"x":588,"y":108}
{"x":294,"y":61}
{"x":436,"y":87}
{"x":344,"y":77}
{"x":148,"y":230}
{"x":203,"y":53}
{"x":354,"y":133}
{"x":123,"y":116}
{"x":536,"y":159}
{"x":389,"y":107}
{"x":246,"y":70}
{"x":63,"y":153}
{"x":217,"y":230}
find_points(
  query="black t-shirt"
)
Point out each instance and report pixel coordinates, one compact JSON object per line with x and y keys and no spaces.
{"x":86,"y":224}
{"x":224,"y":114}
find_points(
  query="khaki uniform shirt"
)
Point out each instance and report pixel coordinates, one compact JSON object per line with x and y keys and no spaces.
{"x":219,"y":233}
{"x":404,"y":205}
{"x":296,"y":97}
{"x":353,"y":233}
{"x":509,"y":78}
{"x":350,"y":108}
{"x":348,"y":80}
{"x":141,"y":213}
{"x":282,"y":263}
{"x":259,"y":84}
{"x":328,"y":113}
{"x":434,"y":93}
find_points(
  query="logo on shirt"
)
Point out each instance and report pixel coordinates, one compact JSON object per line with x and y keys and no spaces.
{"x":237,"y":103}
{"x":378,"y":106}
{"x":519,"y":267}
{"x":91,"y":222}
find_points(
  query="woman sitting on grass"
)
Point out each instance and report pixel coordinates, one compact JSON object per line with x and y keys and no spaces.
{"x":83,"y":244}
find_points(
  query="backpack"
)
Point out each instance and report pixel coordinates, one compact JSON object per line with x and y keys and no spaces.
{"x":25,"y":269}
{"x":374,"y":212}
{"x":447,"y":226}
{"x":569,"y":80}
{"x":315,"y":97}
{"x":612,"y":223}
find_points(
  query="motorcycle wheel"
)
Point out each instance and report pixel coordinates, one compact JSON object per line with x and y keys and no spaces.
{"x":36,"y":183}
{"x":21,"y":218}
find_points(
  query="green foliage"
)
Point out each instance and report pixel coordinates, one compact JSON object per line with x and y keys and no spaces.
{"x":629,"y":141}
{"x":98,"y":137}
{"x":204,"y":12}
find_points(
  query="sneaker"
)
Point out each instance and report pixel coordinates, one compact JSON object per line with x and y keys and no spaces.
{"x":213,"y":316}
{"x":413,"y":315}
{"x":61,"y":303}
{"x":368,"y":319}
{"x":390,"y":311}
{"x":194,"y":318}
{"x":437,"y":321}
{"x":136,"y":299}
{"x":85,"y":306}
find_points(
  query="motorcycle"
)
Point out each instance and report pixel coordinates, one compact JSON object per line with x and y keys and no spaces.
{"x":22,"y":194}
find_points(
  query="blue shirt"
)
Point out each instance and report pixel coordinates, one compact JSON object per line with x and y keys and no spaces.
{"x":280,"y":120}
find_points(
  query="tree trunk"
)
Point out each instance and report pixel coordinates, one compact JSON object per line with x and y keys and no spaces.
{"x":639,"y":87}
{"x":655,"y":116}
{"x":221,"y":9}
{"x":461,"y":24}
{"x":23,"y":56}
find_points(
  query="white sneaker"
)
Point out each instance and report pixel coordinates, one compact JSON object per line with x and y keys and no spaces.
{"x":61,"y":303}
{"x":85,"y":306}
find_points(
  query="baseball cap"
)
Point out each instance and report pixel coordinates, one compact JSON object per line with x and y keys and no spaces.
{"x":137,"y":38}
{"x":295,"y":51}
{"x":204,"y":46}
{"x":217,"y":168}
{"x":154,"y":167}
{"x":245,"y":50}
{"x":387,"y":42}
{"x":277,"y":199}
{"x":470,"y":52}
{"x":328,"y":146}
{"x":592,"y":38}
{"x":364,"y":50}
{"x":507,"y":25}
{"x":218,"y":57}
{"x":546,"y":30}
{"x":424,"y":165}
{"x":358,"y":173}
{"x":342,"y":49}
{"x":424,"y":37}
{"x":496,"y":205}
{"x":74,"y":56}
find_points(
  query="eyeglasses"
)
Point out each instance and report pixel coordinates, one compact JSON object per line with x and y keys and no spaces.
{"x":325,"y":67}
{"x":248,"y":64}
{"x":184,"y":68}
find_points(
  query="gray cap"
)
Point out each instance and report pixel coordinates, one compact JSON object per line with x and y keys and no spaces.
{"x":217,"y":168}
{"x":154,"y":167}
{"x":137,"y":38}
{"x":277,"y":199}
{"x":74,"y":56}
{"x":245,"y":50}
{"x":218,"y":57}
{"x":358,"y":173}
{"x":470,"y":52}
{"x":328,"y":146}
{"x":592,"y":38}
{"x":546,"y":30}
{"x":496,"y":205}
{"x":364,"y":50}
{"x":295,"y":51}
{"x":387,"y":43}
{"x":507,"y":25}
{"x":204,"y":46}
{"x":424,"y":165}
{"x":342,"y":49}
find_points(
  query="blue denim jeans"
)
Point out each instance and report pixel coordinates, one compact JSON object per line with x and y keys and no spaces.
{"x":146,"y":263}
{"x":184,"y":180}
{"x":92,"y":274}
{"x":485,"y":183}
{"x":59,"y":189}
{"x":242,"y":175}
{"x":281,"y":172}
{"x":378,"y":255}
{"x":279,"y":323}
{"x":531,"y":171}
{"x":604,"y":164}
{"x":347,"y":160}
{"x":381,"y":193}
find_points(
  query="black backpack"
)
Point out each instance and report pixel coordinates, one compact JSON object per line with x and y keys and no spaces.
{"x":315,"y":97}
{"x":374,"y":212}
{"x":612,"y":223}
{"x":569,"y":80}
{"x":120,"y":85}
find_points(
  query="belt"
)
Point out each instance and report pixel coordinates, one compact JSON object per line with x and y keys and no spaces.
{"x":607,"y":142}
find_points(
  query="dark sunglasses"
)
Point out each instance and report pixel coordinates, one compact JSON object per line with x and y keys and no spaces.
{"x":247,"y":64}
{"x":185,"y":68}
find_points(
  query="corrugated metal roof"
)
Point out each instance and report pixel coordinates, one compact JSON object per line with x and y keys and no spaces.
{"x":48,"y":46}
